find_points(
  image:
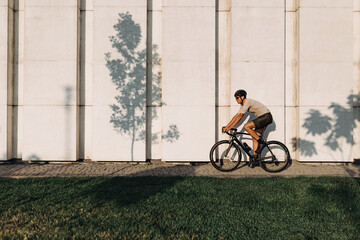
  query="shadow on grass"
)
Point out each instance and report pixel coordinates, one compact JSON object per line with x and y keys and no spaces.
{"x":138,"y":186}
{"x":339,"y":195}
{"x":357,"y":180}
{"x":126,"y":190}
{"x":179,"y":208}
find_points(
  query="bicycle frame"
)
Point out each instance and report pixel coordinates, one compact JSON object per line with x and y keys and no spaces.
{"x":250,"y":155}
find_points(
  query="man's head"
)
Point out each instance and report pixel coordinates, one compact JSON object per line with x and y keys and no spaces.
{"x":240,"y":95}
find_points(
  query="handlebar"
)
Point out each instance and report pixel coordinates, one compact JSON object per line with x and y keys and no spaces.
{"x":233,"y":132}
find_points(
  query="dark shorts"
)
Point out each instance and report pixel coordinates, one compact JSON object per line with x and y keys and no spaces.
{"x":262,"y":122}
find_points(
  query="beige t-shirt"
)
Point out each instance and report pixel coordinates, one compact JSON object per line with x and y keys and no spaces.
{"x":253,"y":106}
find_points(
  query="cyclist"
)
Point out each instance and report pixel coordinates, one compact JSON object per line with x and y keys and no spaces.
{"x":255,"y":127}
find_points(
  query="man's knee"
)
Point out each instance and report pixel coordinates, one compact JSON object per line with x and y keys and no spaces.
{"x":248,"y":126}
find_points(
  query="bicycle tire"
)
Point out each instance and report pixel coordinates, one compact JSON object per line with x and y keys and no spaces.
{"x":225,"y":163}
{"x":275,"y":160}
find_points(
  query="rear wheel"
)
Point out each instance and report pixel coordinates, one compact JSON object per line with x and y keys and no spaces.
{"x":275,"y":157}
{"x":225,"y":156}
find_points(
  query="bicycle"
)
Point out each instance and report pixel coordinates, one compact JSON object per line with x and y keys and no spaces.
{"x":226,"y":155}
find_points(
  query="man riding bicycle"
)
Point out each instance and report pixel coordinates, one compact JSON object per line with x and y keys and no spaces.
{"x":255,"y":127}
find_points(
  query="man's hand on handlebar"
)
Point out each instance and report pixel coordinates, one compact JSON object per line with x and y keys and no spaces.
{"x":225,"y":129}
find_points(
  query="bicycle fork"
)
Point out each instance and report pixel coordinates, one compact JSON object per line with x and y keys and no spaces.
{"x":228,"y":149}
{"x":224,"y":154}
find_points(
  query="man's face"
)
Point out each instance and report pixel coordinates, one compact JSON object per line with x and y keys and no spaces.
{"x":240,"y":100}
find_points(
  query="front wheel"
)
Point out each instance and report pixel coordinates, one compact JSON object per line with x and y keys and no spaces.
{"x":225,"y":156}
{"x":275,"y":157}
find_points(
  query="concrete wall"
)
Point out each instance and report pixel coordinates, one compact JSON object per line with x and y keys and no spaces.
{"x":6,"y":71}
{"x":120,"y":139}
{"x":326,"y":81}
{"x":131,"y":80}
{"x":257,"y":57}
{"x":47,"y":99}
{"x":188,"y":78}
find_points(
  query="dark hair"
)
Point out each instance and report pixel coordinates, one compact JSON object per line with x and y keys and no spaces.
{"x":240,"y":93}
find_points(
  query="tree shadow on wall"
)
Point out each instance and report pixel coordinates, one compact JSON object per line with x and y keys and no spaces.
{"x":128,"y":73}
{"x":336,"y":131}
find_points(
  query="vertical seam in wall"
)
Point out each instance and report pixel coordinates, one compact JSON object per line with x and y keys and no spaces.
{"x":216,"y":70}
{"x":10,"y":81}
{"x":86,"y":79}
{"x":82,"y":81}
{"x":229,"y":28}
{"x":285,"y":105}
{"x":298,"y":80}
{"x":148,"y":87}
{"x":15,"y":81}
{"x":356,"y":81}
{"x":18,"y":91}
{"x":79,"y":55}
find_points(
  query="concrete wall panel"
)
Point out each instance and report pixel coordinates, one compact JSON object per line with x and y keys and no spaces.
{"x":123,"y":3}
{"x":188,"y":82}
{"x":276,"y":130}
{"x":50,"y":3}
{"x":50,"y":83}
{"x":188,"y":3}
{"x":258,"y":3}
{"x":326,"y":134}
{"x":333,"y":80}
{"x":123,"y":138}
{"x":3,"y":32}
{"x":327,"y":30}
{"x":257,"y":34}
{"x":6,"y":71}
{"x":3,"y":133}
{"x":50,"y":33}
{"x":195,"y":135}
{"x":194,"y":45}
{"x":327,"y":3}
{"x":263,"y":81}
{"x":108,"y":144}
{"x":325,"y":80}
{"x":3,"y":83}
{"x":325,"y":54}
{"x":257,"y":56}
{"x":49,"y":133}
{"x":49,"y":80}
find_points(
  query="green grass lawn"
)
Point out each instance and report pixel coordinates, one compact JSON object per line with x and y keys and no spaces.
{"x":180,"y":208}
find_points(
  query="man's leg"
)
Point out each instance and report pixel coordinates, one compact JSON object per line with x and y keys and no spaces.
{"x":255,"y":145}
{"x":249,"y":127}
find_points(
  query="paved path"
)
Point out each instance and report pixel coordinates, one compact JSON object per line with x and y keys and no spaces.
{"x":24,"y":170}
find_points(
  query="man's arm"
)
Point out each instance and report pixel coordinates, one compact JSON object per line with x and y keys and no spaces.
{"x":233,"y":122}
